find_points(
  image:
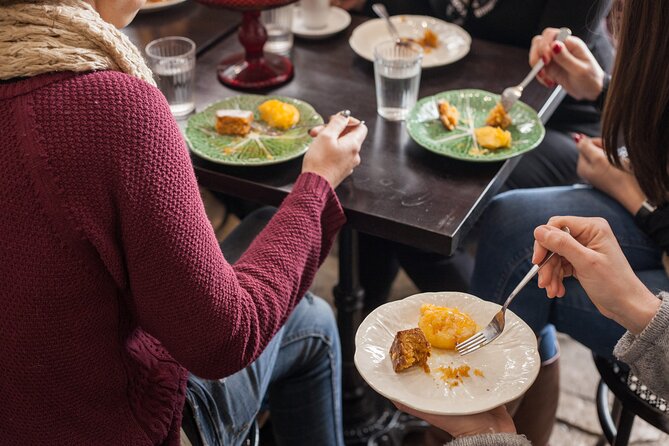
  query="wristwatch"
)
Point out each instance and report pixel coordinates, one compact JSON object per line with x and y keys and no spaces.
{"x":599,"y":102}
{"x":642,"y":215}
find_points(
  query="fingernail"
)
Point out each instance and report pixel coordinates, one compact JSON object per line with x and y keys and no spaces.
{"x":540,"y":233}
{"x":557,"y":47}
{"x":545,"y":59}
{"x":577,"y":137}
{"x":542,"y":73}
{"x":550,"y":83}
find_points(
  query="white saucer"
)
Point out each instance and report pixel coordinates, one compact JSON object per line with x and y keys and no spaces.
{"x":454,"y":41}
{"x":159,"y":6}
{"x":338,"y":20}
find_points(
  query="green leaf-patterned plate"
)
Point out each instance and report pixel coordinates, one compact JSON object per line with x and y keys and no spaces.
{"x":426,"y":129}
{"x":262,"y":146}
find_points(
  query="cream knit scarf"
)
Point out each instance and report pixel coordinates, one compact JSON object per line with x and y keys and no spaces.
{"x":44,"y":36}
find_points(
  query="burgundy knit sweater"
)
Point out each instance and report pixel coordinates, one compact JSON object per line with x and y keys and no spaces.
{"x":112,"y":281}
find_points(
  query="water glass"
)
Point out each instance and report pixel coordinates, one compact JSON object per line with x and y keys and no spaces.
{"x":172,"y":60}
{"x":397,"y":75}
{"x":315,"y":13}
{"x":278,"y":23}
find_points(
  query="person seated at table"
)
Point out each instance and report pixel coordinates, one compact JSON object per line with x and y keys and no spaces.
{"x":553,"y":163}
{"x":593,"y":257}
{"x":624,"y":191}
{"x":118,"y":305}
{"x":516,"y":22}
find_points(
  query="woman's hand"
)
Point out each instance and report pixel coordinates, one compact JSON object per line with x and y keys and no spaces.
{"x":335,"y":150}
{"x":494,"y":421}
{"x":569,"y":64}
{"x":593,"y":256}
{"x":594,"y":167}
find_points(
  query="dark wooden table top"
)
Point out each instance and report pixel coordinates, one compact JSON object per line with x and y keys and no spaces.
{"x":400,"y":191}
{"x":205,"y":26}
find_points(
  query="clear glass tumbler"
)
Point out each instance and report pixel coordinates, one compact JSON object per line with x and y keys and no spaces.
{"x":172,"y":60}
{"x":397,"y":74}
{"x":278,"y":23}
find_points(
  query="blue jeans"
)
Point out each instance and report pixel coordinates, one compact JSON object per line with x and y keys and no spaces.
{"x":298,"y":375}
{"x":505,"y":252}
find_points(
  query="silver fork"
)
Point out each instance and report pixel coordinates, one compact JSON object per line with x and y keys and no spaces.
{"x":496,"y":325}
{"x":511,"y":95}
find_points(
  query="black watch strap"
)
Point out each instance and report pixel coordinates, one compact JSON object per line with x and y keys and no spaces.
{"x":642,"y":217}
{"x":599,"y":102}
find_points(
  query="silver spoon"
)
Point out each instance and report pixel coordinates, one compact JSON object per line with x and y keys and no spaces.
{"x":382,"y":12}
{"x":511,"y":94}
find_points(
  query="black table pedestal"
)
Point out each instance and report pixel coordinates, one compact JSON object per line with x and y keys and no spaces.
{"x":369,"y":419}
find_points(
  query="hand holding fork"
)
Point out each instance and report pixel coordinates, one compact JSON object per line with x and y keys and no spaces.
{"x":496,"y":325}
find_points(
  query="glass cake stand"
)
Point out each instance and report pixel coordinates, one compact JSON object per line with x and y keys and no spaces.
{"x":253,"y":69}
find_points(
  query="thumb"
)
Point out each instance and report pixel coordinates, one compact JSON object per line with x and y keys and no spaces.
{"x":564,"y":58}
{"x":562,"y":244}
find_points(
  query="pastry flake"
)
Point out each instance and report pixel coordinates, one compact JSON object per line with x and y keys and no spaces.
{"x":233,"y":122}
{"x":410,"y":348}
{"x":498,"y":117}
{"x":448,"y":114}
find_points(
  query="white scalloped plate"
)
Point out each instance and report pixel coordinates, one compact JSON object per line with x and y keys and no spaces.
{"x":454,"y":44}
{"x":510,"y":364}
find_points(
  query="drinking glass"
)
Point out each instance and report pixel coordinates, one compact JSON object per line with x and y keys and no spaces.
{"x":172,"y":60}
{"x":397,"y":75}
{"x":315,"y":13}
{"x":278,"y":23}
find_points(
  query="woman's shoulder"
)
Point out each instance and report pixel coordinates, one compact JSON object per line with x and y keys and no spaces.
{"x":105,"y":103}
{"x":111,"y":90}
{"x":120,"y":115}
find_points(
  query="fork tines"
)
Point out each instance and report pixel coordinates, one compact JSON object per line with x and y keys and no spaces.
{"x":472,"y":344}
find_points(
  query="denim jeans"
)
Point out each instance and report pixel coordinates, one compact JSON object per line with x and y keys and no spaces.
{"x":505,"y":252}
{"x":298,"y":375}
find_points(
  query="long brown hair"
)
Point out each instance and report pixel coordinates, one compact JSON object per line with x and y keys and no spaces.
{"x":636,"y":112}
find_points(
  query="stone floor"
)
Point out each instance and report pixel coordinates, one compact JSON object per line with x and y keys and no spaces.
{"x":577,"y":423}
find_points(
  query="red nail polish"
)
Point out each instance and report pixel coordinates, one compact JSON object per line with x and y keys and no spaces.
{"x":545,"y":59}
{"x":577,"y":137}
{"x":557,"y":48}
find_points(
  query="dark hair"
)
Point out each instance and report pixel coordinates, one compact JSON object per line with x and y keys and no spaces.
{"x":636,"y":111}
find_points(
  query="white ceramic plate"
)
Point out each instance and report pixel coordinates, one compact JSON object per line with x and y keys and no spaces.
{"x":338,"y":20}
{"x":510,"y":364}
{"x":454,"y":42}
{"x":157,"y":6}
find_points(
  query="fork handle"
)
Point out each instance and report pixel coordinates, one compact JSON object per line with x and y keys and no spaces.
{"x":561,"y":37}
{"x":530,"y":274}
{"x":532,"y":74}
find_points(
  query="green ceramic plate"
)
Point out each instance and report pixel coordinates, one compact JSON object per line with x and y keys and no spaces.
{"x":426,"y":129}
{"x":263,"y":146}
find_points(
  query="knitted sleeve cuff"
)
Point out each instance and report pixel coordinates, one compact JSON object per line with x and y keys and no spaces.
{"x":333,"y":215}
{"x":631,"y":349}
{"x":491,"y":440}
